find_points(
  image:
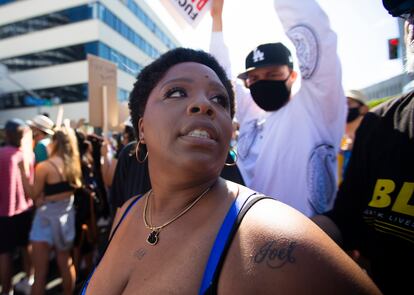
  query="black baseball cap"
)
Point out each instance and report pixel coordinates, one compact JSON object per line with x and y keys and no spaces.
{"x":398,"y":7}
{"x":270,"y":54}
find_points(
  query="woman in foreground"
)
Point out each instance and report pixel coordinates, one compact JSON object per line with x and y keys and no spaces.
{"x":195,"y":232}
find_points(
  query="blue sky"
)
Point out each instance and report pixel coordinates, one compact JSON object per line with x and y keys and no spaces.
{"x":363,"y":28}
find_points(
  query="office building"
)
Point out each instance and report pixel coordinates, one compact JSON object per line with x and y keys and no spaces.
{"x":44,"y":46}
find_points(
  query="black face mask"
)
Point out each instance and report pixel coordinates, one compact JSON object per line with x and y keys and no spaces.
{"x":353,"y":113}
{"x":270,"y":95}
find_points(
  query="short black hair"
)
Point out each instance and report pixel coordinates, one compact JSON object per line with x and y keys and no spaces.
{"x":153,"y":73}
{"x":14,"y":137}
{"x":130,"y":131}
{"x":14,"y":131}
{"x":398,"y":7}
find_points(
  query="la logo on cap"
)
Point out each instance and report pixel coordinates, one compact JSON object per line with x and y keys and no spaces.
{"x":258,"y":55}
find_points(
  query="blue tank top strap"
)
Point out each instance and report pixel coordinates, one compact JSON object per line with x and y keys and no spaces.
{"x":85,"y":285}
{"x":224,"y":238}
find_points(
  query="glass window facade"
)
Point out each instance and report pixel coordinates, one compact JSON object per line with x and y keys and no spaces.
{"x":46,"y":97}
{"x":77,"y":52}
{"x":124,"y":63}
{"x":106,"y":16}
{"x":48,"y":21}
{"x":90,"y":11}
{"x":50,"y":57}
{"x":83,"y":13}
{"x":71,"y":54}
{"x":148,"y":22}
{"x":51,"y":96}
{"x":123,"y":95}
{"x":5,"y":1}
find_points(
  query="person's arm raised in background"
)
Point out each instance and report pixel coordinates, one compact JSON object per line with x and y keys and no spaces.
{"x":108,"y":163}
{"x":35,"y":190}
{"x":246,"y":108}
{"x":321,"y":92}
{"x":217,"y":45}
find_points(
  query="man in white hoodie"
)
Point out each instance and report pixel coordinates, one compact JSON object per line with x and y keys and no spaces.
{"x":288,"y":143}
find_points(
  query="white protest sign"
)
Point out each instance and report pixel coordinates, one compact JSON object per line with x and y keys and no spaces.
{"x":102,"y":93}
{"x":59,"y":117}
{"x":187,"y":12}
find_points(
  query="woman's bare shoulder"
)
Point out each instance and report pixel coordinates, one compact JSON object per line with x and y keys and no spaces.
{"x":279,"y":250}
{"x":42,"y":169}
{"x":121,"y":211}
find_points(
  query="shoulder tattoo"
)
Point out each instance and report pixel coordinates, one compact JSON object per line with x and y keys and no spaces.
{"x":275,"y":254}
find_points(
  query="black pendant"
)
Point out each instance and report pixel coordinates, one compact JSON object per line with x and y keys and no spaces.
{"x":153,"y":238}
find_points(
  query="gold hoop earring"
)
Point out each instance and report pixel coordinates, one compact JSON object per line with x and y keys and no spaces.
{"x":137,"y":154}
{"x":235,"y":158}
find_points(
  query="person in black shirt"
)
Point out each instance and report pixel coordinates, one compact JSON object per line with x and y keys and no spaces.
{"x":131,"y":177}
{"x":373,"y":214}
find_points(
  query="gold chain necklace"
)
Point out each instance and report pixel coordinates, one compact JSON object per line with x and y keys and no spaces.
{"x":153,"y":237}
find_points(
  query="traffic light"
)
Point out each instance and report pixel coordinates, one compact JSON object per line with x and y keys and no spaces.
{"x":393,"y":48}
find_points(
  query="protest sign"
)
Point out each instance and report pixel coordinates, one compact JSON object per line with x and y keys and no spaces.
{"x":59,"y":117}
{"x":187,"y":12}
{"x":102,"y":93}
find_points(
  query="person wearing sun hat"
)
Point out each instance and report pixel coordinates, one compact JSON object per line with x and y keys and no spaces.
{"x":357,"y":108}
{"x":42,"y":128}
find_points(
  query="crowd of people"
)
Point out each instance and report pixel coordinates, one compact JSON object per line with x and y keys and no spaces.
{"x":221,"y":183}
{"x":55,"y":195}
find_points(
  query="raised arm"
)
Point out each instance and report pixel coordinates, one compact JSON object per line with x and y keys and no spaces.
{"x":217,"y":15}
{"x":246,"y":108}
{"x":218,"y":47}
{"x":34,"y":191}
{"x":308,"y":27}
{"x":108,"y":163}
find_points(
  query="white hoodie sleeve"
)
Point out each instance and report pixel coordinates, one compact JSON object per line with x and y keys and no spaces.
{"x":321,"y":92}
{"x":219,"y":50}
{"x":246,"y":109}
